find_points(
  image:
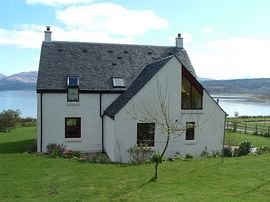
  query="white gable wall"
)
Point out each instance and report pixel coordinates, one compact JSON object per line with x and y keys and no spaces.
{"x":55,"y":109}
{"x":209,"y":121}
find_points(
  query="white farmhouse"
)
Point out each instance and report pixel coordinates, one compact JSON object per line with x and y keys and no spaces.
{"x":89,"y":92}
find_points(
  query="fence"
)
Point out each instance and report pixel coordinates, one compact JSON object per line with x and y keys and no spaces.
{"x":249,"y":127}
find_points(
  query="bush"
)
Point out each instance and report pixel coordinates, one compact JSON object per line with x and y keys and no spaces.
{"x":69,"y":154}
{"x":139,"y":154}
{"x":228,"y":151}
{"x":263,"y":150}
{"x":54,"y":150}
{"x":32,"y":147}
{"x":244,"y":148}
{"x":156,"y":158}
{"x":8,"y":119}
{"x":189,"y":156}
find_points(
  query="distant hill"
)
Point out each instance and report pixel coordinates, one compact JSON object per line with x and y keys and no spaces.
{"x":201,"y":79}
{"x":244,"y":86}
{"x":20,"y":81}
{"x":2,"y":76}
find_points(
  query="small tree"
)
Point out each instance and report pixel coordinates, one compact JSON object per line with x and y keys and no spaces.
{"x":160,"y":112}
{"x":236,"y":115}
{"x":8,"y":119}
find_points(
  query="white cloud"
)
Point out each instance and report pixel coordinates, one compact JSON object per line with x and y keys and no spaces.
{"x":58,"y":2}
{"x":245,"y":57}
{"x":111,"y":18}
{"x":31,"y":36}
{"x":207,"y":30}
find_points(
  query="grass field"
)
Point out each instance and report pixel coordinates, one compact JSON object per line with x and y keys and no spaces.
{"x":31,"y":177}
{"x":236,"y":138}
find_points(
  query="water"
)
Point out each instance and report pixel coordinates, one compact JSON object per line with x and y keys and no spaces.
{"x":26,"y":101}
{"x":242,"y":105}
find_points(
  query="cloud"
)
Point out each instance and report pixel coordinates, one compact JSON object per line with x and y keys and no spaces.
{"x":245,"y":57}
{"x":31,"y":36}
{"x":58,"y":2}
{"x":111,"y":18}
{"x":207,"y":30}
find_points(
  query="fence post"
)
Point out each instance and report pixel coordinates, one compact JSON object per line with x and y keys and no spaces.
{"x":256,"y":130}
{"x":245,"y":128}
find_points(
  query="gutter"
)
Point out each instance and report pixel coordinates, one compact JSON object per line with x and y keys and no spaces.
{"x":102,"y":123}
{"x":41,"y":122}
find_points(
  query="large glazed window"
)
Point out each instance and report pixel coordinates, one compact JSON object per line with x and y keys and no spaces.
{"x":73,"y":128}
{"x":191,"y":91}
{"x":146,"y":134}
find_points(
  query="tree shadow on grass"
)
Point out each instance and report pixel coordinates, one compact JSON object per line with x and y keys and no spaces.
{"x":15,"y":147}
{"x":134,"y":190}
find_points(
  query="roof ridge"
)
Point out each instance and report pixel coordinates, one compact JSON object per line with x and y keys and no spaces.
{"x":100,"y":43}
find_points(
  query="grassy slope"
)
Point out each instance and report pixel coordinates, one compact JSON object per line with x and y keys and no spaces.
{"x":255,"y":140}
{"x":25,"y":177}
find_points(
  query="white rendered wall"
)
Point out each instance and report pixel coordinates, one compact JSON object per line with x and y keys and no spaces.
{"x":209,"y":121}
{"x":38,"y":122}
{"x":109,"y":137}
{"x":56,"y":109}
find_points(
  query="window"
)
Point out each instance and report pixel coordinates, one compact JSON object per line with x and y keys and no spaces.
{"x":73,"y":89}
{"x":190,"y":132}
{"x":118,"y":82}
{"x":146,"y":134}
{"x":191,"y":91}
{"x":73,"y":95}
{"x":72,"y":81}
{"x":73,"y":128}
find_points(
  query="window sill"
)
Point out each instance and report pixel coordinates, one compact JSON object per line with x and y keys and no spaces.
{"x":73,"y":103}
{"x":190,"y":142}
{"x":191,"y":111}
{"x":73,"y":139}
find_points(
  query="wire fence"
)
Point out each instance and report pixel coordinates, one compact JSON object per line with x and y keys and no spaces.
{"x":249,"y":127}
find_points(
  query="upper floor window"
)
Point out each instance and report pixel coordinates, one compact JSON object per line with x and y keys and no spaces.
{"x":73,"y":89}
{"x":191,"y":91}
{"x":118,"y":82}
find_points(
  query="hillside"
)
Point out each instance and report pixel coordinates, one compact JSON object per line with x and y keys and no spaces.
{"x":20,"y":81}
{"x":258,"y":86}
{"x":2,"y":76}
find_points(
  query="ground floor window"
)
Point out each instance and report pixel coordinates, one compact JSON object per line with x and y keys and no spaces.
{"x":190,"y":132}
{"x":72,"y":127}
{"x":146,"y":134}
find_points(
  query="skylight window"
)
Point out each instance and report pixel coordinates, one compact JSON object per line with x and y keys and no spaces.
{"x":118,"y":82}
{"x":72,"y":81}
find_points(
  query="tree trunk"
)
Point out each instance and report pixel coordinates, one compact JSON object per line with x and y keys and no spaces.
{"x":161,"y":156}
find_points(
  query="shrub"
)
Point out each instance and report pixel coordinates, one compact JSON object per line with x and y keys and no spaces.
{"x":228,"y":151}
{"x":32,"y":148}
{"x":263,"y":150}
{"x":189,"y":156}
{"x":139,"y":154}
{"x":8,"y":119}
{"x":205,"y":153}
{"x":156,"y":158}
{"x":244,"y":148}
{"x":54,"y":150}
{"x":70,"y":154}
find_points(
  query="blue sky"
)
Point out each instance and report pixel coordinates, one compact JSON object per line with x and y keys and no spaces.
{"x":224,"y":39}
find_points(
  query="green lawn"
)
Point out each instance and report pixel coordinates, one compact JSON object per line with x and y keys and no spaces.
{"x":30,"y":177}
{"x":236,"y":138}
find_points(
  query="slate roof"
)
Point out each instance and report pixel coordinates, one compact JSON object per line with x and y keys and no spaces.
{"x":96,"y":63}
{"x":145,"y":75}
